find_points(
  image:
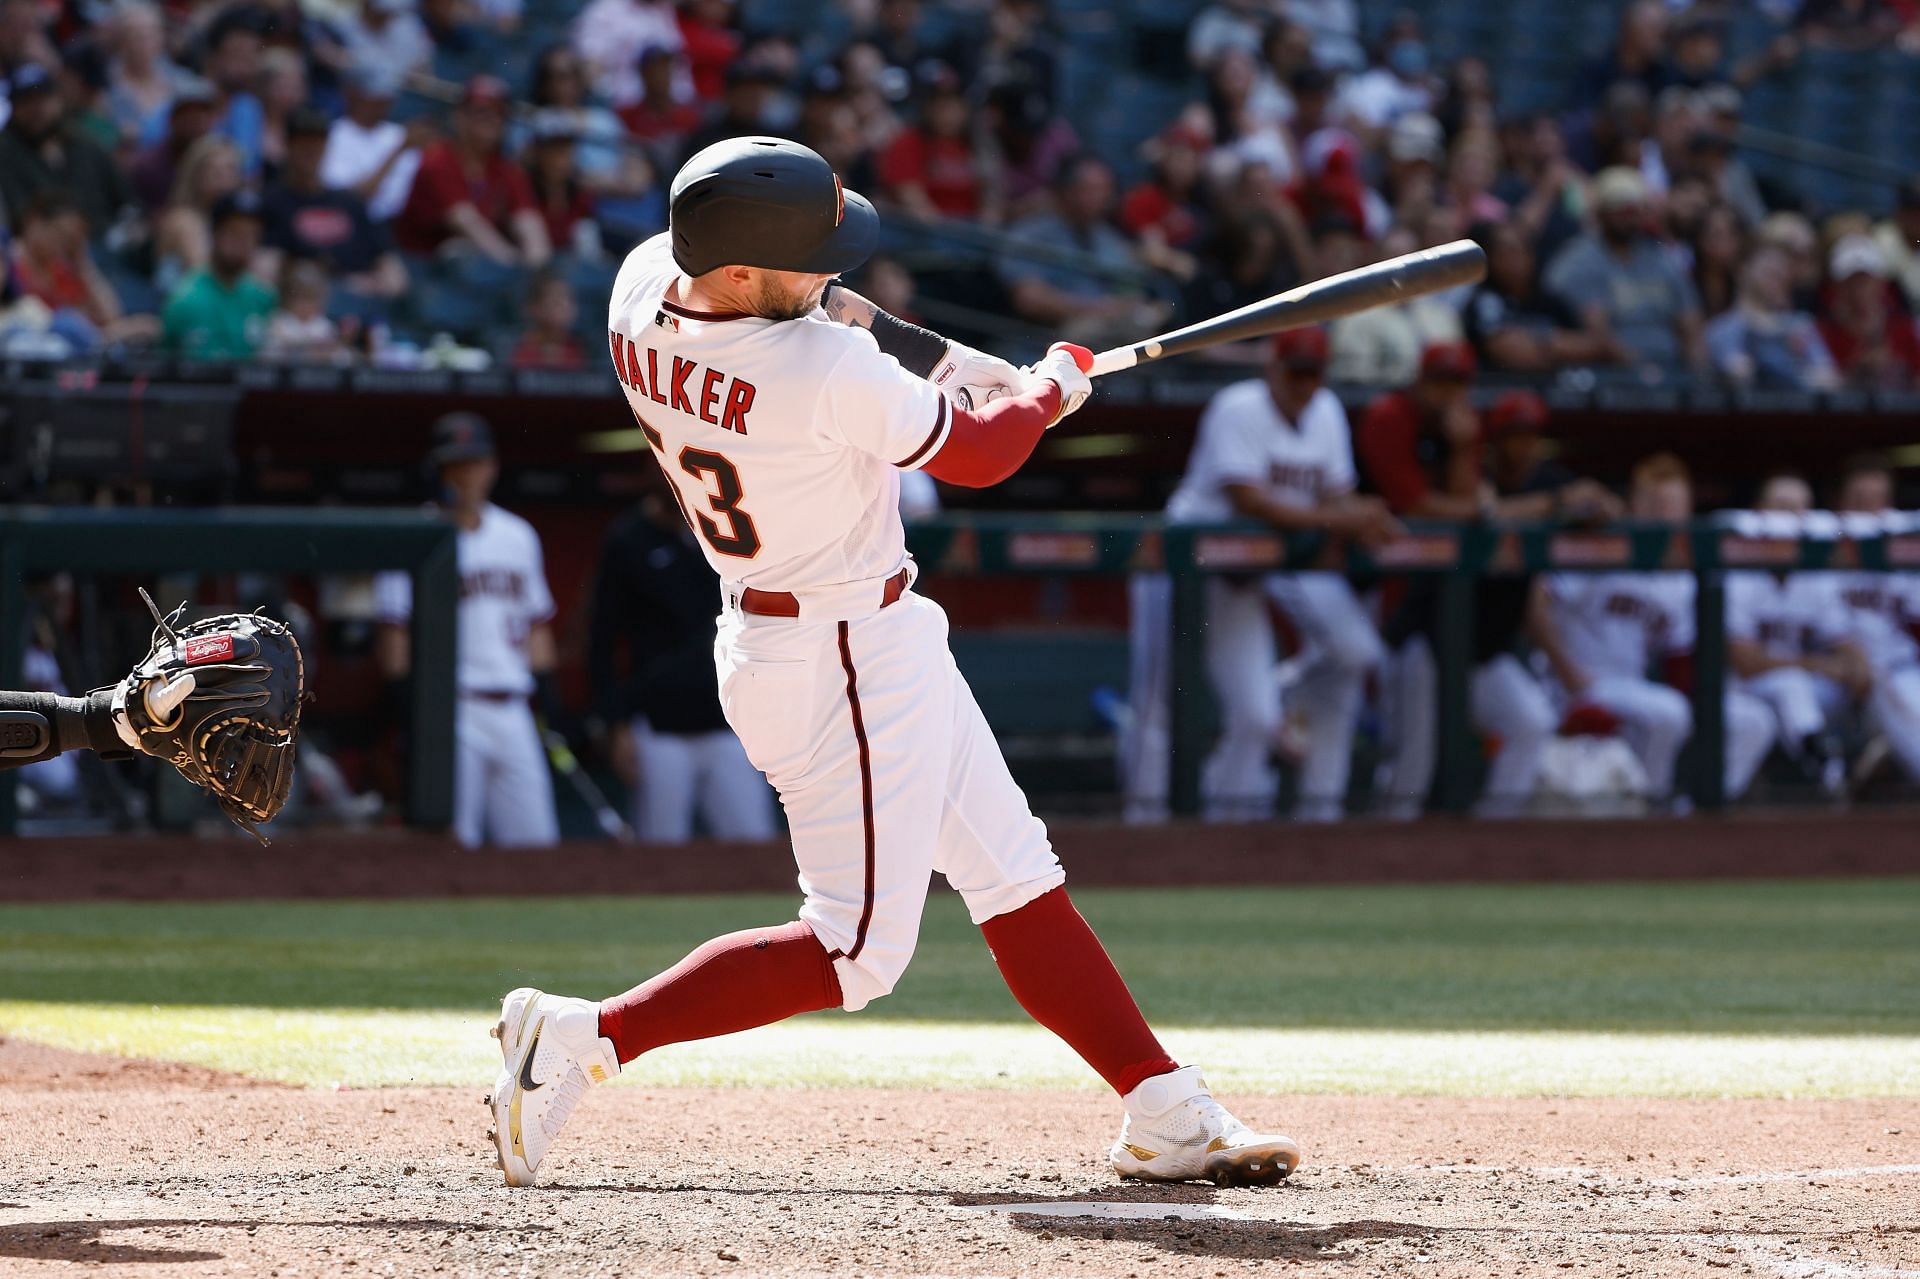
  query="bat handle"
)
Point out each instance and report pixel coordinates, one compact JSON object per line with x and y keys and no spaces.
{"x":1120,"y":357}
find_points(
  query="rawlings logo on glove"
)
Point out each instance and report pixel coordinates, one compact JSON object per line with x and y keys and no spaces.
{"x":220,"y":700}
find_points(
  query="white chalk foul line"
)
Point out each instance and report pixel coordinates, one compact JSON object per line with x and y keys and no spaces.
{"x":1707,"y":1179}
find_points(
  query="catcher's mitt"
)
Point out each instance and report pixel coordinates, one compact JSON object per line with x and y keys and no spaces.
{"x":220,"y":700}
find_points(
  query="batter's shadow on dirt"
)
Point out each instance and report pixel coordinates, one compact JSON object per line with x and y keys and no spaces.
{"x":80,"y":1240}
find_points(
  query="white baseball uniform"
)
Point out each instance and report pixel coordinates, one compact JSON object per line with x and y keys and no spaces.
{"x":784,"y":442}
{"x":1615,"y":626}
{"x":502,"y":789}
{"x":1243,"y":439}
{"x":1790,"y":616}
{"x":1881,"y":609}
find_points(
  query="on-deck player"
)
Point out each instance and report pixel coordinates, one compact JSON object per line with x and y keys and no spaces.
{"x":1601,"y":633}
{"x":502,"y":789}
{"x":1274,"y":449}
{"x":1787,"y":645}
{"x":784,"y":433}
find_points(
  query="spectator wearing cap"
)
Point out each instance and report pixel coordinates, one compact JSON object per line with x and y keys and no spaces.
{"x":1517,"y":327}
{"x":1330,"y":185}
{"x":552,"y":315}
{"x":747,"y":108}
{"x":1625,"y":287}
{"x":1870,"y":335}
{"x":1382,"y":346}
{"x":232,"y":65}
{"x":183,"y":232}
{"x":40,"y":151}
{"x":1415,"y":152}
{"x":1720,"y":106}
{"x":50,"y":262}
{"x":141,"y":78}
{"x":565,"y":202}
{"x":612,"y":34}
{"x":1166,"y":213}
{"x":933,"y":169}
{"x":1062,"y":295}
{"x":1419,"y":447}
{"x":1899,"y":241}
{"x":617,"y":172}
{"x":469,"y":196}
{"x":154,"y":169}
{"x":310,"y":221}
{"x":659,"y":119}
{"x":387,"y":39}
{"x":369,"y":154}
{"x":710,"y":44}
{"x":1506,"y":703}
{"x":1761,"y":342}
{"x":221,"y":311}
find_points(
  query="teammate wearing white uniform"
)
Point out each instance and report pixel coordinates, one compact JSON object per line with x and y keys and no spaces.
{"x":1787,"y":645}
{"x":1274,"y":449}
{"x":502,"y":789}
{"x":1882,"y":612}
{"x":1602,"y":632}
{"x":783,"y":426}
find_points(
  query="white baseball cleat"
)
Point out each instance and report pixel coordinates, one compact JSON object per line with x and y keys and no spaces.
{"x":1176,"y":1131}
{"x":552,"y":1052}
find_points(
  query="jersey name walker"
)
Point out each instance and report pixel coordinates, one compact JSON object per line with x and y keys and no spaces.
{"x":782,"y":440}
{"x":1619,"y":623}
{"x":503,"y":595}
{"x":1243,"y":439}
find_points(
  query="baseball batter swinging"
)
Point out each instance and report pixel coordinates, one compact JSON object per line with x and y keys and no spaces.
{"x":783,"y":409}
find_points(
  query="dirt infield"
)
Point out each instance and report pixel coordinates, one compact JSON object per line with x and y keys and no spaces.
{"x":394,"y":864}
{"x":151,"y":1165}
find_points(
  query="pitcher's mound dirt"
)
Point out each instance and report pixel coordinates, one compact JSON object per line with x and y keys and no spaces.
{"x":138,"y":1164}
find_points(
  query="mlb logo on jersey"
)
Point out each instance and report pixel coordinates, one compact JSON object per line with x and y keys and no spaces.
{"x":671,"y":323}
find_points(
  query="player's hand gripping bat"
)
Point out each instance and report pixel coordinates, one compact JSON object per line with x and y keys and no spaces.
{"x":1400,"y":279}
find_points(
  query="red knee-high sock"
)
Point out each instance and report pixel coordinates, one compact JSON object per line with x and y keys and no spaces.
{"x":735,"y":982}
{"x":1061,"y":975}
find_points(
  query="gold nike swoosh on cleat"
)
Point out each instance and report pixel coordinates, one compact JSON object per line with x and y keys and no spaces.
{"x":1141,"y":1152}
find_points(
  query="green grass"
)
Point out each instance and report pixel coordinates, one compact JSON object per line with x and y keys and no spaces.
{"x":1805,"y":988}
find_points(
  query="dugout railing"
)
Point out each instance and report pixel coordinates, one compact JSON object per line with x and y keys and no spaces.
{"x":1458,"y":555}
{"x":248,"y":540}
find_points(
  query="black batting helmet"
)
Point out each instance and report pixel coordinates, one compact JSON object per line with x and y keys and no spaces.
{"x":770,"y":203}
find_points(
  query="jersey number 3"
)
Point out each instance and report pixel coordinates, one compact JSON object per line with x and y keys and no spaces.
{"x":739,"y":538}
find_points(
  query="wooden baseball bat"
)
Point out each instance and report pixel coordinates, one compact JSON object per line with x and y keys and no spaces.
{"x":1395,"y":280}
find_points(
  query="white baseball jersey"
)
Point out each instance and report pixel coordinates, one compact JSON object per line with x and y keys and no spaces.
{"x":1243,"y":439}
{"x":1619,"y":623}
{"x":503,"y":595}
{"x":783,"y":439}
{"x":1788,"y":617}
{"x":1880,"y":607}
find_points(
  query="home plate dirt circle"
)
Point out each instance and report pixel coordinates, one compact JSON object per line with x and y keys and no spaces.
{"x":118,"y":1166}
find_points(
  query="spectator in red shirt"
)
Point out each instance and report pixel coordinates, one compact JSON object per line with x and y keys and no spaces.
{"x":1163,"y":214}
{"x":1420,"y":447}
{"x":50,"y":263}
{"x":549,"y":342}
{"x":566,"y":205}
{"x":469,"y":195}
{"x":933,"y":169}
{"x":660,"y":121}
{"x":711,"y":47}
{"x":1870,"y":337}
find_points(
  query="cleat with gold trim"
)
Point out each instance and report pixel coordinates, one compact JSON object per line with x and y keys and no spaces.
{"x":551,"y":1052}
{"x":1176,"y":1131}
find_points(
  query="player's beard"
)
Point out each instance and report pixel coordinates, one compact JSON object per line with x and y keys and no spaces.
{"x":776,"y":303}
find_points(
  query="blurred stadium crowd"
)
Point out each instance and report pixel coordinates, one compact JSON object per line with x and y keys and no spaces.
{"x":1670,"y":193}
{"x":352,"y":179}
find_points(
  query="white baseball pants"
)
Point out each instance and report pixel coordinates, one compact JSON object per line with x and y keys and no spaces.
{"x":887,"y":771}
{"x":1657,"y":720}
{"x":681,"y":773}
{"x":1504,"y":701}
{"x":1894,"y":710}
{"x":502,"y":788}
{"x":1802,"y":702}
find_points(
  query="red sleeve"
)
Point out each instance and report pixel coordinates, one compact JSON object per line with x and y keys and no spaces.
{"x":986,"y":446}
{"x":518,"y":188}
{"x":437,"y":188}
{"x":1387,"y":438}
{"x":904,"y":160}
{"x":1143,"y":207}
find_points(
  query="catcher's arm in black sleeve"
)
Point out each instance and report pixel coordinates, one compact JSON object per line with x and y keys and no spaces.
{"x":37,"y":726}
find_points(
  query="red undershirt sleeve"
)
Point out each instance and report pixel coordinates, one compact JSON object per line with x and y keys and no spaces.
{"x":987,"y":445}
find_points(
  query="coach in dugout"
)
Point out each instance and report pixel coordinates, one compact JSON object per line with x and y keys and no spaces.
{"x":1422,"y":449}
{"x":659,"y":718}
